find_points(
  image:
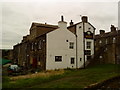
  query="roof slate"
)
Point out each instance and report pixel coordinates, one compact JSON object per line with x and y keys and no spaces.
{"x":108,"y":34}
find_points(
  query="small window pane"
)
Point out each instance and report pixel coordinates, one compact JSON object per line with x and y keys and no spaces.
{"x":88,"y":45}
{"x":72,"y":60}
{"x":106,"y":41}
{"x":58,"y":58}
{"x":40,"y":45}
{"x":100,"y":41}
{"x":114,"y":40}
{"x":80,"y":59}
{"x":71,"y":45}
{"x":32,"y":46}
{"x":87,"y":52}
{"x":88,"y":57}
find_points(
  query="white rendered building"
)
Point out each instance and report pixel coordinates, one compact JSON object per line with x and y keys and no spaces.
{"x":72,"y":47}
{"x":84,"y":32}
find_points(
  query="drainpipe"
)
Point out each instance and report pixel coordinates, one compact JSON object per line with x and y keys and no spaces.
{"x":76,"y":53}
{"x":84,"y":42}
{"x":116,"y":46}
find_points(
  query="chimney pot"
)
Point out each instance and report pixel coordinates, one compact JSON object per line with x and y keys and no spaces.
{"x":113,"y":28}
{"x":84,"y":19}
{"x":71,"y":23}
{"x":102,"y":31}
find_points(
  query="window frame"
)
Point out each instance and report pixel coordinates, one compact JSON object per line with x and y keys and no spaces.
{"x":88,"y":44}
{"x":89,"y":56}
{"x":87,"y":52}
{"x":71,"y":45}
{"x":72,"y":60}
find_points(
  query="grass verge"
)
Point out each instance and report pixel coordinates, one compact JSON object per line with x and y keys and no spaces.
{"x":69,"y":79}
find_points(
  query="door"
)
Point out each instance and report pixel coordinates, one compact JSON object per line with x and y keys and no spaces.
{"x":34,"y":63}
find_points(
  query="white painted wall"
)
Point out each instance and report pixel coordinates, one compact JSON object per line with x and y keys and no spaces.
{"x":80,"y":44}
{"x":57,"y":46}
{"x":80,"y":53}
{"x":87,"y":26}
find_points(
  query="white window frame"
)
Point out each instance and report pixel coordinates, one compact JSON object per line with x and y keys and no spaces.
{"x":72,"y":62}
{"x":58,"y":58}
{"x":71,"y":45}
{"x":88,"y":45}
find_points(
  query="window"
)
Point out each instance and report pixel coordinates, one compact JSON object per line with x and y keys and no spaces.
{"x":80,"y":27}
{"x":89,"y":28}
{"x":114,"y":40}
{"x":88,"y":57}
{"x":66,"y":40}
{"x":100,"y":57}
{"x":58,"y":58}
{"x":106,"y":49}
{"x":106,"y":41}
{"x":35,"y":46}
{"x":40,"y":45}
{"x":87,"y":52}
{"x":72,"y":60}
{"x":100,"y":41}
{"x":71,"y":45}
{"x":32,"y":46}
{"x":80,"y":59}
{"x":88,"y":45}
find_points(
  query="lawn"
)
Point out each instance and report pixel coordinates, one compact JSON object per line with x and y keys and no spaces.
{"x":69,"y":79}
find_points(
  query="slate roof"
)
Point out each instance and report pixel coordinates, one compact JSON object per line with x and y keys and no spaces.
{"x":50,"y":27}
{"x":108,"y":34}
{"x":80,"y":23}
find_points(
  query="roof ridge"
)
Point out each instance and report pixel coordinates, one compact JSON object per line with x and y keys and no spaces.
{"x":44,"y":24}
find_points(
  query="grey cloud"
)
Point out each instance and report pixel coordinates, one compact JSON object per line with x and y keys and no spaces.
{"x":17,"y":17}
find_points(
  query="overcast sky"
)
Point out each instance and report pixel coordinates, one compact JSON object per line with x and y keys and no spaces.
{"x":17,"y":17}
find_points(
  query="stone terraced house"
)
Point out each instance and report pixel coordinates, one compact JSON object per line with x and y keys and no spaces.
{"x":107,"y":46}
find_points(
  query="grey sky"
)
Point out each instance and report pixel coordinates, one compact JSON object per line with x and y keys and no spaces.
{"x":18,"y":16}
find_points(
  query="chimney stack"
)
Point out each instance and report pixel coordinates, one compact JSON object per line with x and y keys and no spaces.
{"x":102,"y":31}
{"x":71,"y":23}
{"x":84,"y":19}
{"x":62,"y":24}
{"x":113,"y":28}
